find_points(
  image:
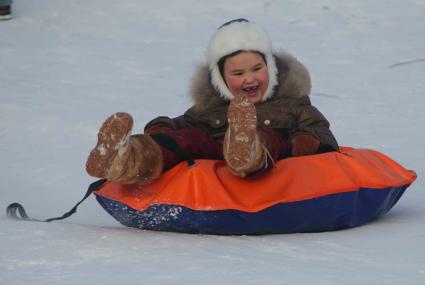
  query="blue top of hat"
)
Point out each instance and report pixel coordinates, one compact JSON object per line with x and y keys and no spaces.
{"x":233,"y":21}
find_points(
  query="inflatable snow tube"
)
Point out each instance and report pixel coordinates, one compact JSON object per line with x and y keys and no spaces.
{"x":322,"y":192}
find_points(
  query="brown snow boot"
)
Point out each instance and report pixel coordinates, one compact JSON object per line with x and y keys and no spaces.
{"x":123,"y":158}
{"x":113,"y":136}
{"x":244,"y":148}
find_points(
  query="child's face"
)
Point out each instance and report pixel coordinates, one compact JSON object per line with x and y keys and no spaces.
{"x":246,"y":74}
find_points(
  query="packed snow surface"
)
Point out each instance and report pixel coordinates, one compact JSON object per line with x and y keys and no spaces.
{"x":65,"y":66}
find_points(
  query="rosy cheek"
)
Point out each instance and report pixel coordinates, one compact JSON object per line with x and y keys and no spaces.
{"x":234,"y":83}
{"x":264,"y":76}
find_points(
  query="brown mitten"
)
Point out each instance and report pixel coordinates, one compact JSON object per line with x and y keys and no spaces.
{"x":304,"y":144}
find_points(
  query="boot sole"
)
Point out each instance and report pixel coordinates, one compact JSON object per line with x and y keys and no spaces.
{"x":241,"y":134}
{"x":113,"y":134}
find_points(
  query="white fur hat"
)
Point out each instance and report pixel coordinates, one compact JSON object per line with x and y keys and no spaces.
{"x":236,"y":35}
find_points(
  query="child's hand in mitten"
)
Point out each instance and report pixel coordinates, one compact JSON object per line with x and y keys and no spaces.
{"x":304,"y":144}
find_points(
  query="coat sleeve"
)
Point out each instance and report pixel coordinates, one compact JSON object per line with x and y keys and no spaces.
{"x":311,"y":120}
{"x":177,"y":123}
{"x":165,"y":122}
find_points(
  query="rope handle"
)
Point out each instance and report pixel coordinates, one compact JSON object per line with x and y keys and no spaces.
{"x":13,"y":210}
{"x":17,"y":212}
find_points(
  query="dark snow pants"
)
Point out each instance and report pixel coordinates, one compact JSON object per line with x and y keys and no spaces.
{"x":200,"y":145}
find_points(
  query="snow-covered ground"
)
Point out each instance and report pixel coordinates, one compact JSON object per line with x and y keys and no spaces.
{"x":66,"y":65}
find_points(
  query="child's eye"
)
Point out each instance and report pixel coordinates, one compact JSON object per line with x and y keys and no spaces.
{"x":237,"y":73}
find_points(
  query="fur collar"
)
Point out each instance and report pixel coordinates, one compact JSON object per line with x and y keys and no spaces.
{"x":293,"y":81}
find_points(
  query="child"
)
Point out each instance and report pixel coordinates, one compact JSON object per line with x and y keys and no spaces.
{"x":251,"y":108}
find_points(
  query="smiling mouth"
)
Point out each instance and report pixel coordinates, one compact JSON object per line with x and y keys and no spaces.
{"x":252,"y":89}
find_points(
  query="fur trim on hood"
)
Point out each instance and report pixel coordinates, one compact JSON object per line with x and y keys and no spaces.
{"x":293,"y":80}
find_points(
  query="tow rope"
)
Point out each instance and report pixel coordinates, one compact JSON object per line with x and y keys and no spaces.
{"x":17,"y":212}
